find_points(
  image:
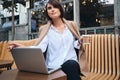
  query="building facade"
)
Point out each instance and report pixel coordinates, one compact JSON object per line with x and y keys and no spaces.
{"x":20,"y":22}
{"x":28,"y":20}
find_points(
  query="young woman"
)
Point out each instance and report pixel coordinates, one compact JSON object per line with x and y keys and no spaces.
{"x":58,"y":39}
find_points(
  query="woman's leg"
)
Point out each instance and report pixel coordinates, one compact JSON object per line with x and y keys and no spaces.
{"x":71,"y":69}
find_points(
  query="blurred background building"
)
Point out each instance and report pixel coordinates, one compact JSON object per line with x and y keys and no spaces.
{"x":92,"y":16}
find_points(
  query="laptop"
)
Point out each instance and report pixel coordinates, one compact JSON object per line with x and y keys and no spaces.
{"x":31,"y":60}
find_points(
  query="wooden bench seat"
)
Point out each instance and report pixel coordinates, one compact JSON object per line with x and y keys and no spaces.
{"x":103,"y":56}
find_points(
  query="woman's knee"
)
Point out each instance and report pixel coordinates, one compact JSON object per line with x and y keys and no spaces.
{"x":71,"y":65}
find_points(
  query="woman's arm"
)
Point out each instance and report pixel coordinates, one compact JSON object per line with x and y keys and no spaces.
{"x":14,"y":45}
{"x":43,"y":44}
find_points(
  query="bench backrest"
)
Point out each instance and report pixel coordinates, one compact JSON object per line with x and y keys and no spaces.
{"x":103,"y":54}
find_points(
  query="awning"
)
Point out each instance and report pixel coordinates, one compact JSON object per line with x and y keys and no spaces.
{"x":8,"y":24}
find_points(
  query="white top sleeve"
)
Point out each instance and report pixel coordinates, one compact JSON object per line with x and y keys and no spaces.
{"x":76,"y":44}
{"x":42,"y":45}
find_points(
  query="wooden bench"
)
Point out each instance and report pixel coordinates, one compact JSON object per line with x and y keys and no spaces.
{"x":6,"y":64}
{"x":103,"y":57}
{"x":5,"y":54}
{"x":102,"y":54}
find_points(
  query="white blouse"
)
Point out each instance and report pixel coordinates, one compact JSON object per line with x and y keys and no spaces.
{"x":60,"y":47}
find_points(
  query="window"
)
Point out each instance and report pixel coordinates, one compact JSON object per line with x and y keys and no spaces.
{"x":94,"y":13}
{"x":7,"y":21}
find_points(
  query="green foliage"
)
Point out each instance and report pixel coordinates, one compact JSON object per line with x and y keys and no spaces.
{"x":6,"y":4}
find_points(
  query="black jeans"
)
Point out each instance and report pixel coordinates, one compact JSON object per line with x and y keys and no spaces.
{"x":72,"y":70}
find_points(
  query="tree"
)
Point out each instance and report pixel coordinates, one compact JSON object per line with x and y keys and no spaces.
{"x":10,"y":5}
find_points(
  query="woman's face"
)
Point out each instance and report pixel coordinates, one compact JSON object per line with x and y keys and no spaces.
{"x":53,"y":12}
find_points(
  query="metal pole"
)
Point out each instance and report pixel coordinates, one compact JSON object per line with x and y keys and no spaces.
{"x":13,"y":27}
{"x":76,"y":12}
{"x":117,"y":12}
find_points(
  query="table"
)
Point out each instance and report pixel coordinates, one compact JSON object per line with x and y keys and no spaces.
{"x":19,"y":75}
{"x":6,"y":64}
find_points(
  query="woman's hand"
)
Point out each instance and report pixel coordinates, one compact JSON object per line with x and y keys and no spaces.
{"x":81,"y":43}
{"x":14,"y":45}
{"x":80,"y":40}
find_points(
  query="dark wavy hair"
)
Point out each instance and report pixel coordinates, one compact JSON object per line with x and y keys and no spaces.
{"x":55,"y":4}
